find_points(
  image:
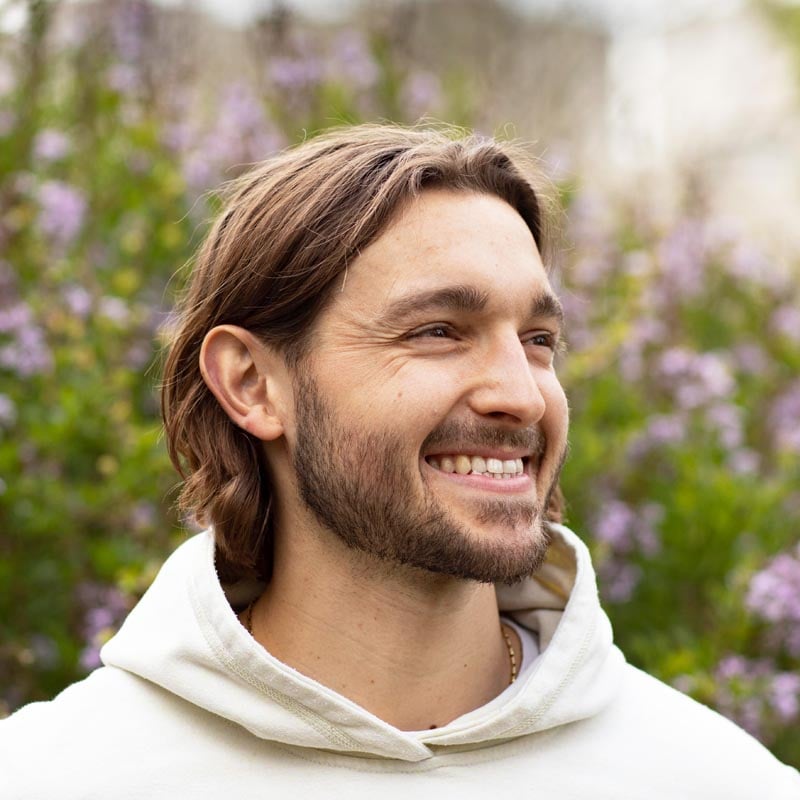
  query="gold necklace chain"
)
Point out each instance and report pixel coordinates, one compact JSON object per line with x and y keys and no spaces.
{"x":512,"y":656}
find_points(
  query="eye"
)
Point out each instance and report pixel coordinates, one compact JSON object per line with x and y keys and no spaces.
{"x":542,"y":339}
{"x":438,"y":331}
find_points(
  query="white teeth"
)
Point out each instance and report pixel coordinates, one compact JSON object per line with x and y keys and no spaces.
{"x":463,"y":465}
{"x":477,"y":465}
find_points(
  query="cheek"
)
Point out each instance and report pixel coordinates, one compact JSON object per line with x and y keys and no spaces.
{"x":556,"y":418}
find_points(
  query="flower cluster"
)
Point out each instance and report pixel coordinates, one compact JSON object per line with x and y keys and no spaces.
{"x":684,"y":352}
{"x":757,"y":695}
{"x":104,"y":608}
{"x":774,"y":596}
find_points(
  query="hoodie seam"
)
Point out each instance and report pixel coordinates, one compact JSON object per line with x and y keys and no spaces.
{"x":334,"y":736}
{"x":380,"y":765}
{"x":577,"y":662}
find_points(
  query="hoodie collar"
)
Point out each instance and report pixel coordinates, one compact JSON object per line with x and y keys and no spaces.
{"x":184,"y":636}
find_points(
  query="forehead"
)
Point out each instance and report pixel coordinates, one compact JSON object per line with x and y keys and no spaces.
{"x":445,"y":238}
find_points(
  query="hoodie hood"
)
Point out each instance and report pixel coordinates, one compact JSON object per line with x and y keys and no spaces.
{"x":185,"y":637}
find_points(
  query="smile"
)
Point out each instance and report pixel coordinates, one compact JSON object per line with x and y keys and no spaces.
{"x":498,"y":469}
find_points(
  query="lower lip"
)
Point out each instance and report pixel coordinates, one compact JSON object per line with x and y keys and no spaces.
{"x":519,"y":483}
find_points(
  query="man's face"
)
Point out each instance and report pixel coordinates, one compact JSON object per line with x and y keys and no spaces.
{"x":430,"y":427}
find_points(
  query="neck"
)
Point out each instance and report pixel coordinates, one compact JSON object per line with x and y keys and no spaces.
{"x":415,"y":649}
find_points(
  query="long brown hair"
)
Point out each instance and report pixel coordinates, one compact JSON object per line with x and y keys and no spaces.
{"x":289,"y":228}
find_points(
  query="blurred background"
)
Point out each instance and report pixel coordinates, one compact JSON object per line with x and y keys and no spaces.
{"x":670,"y":132}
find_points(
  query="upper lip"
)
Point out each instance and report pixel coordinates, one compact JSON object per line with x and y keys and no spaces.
{"x":477,"y":450}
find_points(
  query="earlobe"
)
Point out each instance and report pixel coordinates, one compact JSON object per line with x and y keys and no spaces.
{"x":239,"y":371}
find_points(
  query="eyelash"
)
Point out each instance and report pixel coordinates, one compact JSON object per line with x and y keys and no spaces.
{"x":447,"y":330}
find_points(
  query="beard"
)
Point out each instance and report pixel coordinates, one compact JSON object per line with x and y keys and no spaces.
{"x":360,"y":488}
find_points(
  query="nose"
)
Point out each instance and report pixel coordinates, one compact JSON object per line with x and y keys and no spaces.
{"x":506,"y":385}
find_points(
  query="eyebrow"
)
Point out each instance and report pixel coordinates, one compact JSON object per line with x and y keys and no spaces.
{"x":466,"y":299}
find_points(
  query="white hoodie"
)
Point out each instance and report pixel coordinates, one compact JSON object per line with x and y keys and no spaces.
{"x":189,"y":705}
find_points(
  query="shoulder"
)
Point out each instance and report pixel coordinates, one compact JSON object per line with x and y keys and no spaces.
{"x":695,"y":749}
{"x":95,"y":739}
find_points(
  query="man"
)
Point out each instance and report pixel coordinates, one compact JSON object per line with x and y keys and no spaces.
{"x":361,"y":395}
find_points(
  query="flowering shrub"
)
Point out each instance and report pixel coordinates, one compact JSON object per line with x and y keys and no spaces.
{"x":685,"y":459}
{"x":684,"y":352}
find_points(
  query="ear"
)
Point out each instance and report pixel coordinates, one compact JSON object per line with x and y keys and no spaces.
{"x":248,"y":378}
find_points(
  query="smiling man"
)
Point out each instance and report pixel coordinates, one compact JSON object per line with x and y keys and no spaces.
{"x":362,"y":397}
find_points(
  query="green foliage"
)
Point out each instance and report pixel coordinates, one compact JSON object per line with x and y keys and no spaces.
{"x":684,"y":352}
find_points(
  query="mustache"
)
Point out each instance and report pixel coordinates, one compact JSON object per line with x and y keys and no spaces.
{"x":479,"y":434}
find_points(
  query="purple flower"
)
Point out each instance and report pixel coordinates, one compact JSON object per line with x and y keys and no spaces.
{"x":618,"y":580}
{"x":683,"y":255}
{"x":51,"y":145}
{"x":422,"y":94}
{"x":784,"y":419}
{"x":78,"y":300}
{"x":178,"y":135}
{"x":123,"y":78}
{"x":138,"y":355}
{"x":90,"y":657}
{"x":751,"y":358}
{"x":15,"y":317}
{"x":614,"y":524}
{"x":785,"y":321}
{"x":27,"y":353}
{"x":756,"y":696}
{"x":114,"y":309}
{"x":785,"y":695}
{"x":696,"y":378}
{"x":129,"y":28}
{"x":732,"y":666}
{"x":726,"y":418}
{"x":62,"y":209}
{"x":242,"y":134}
{"x":744,"y":462}
{"x":590,"y":221}
{"x":593,"y":268}
{"x":353,"y":61}
{"x":293,"y":74}
{"x":647,"y":537}
{"x":576,"y":310}
{"x":241,"y":109}
{"x":143,"y":516}
{"x":626,"y":529}
{"x":748,"y":263}
{"x":675,"y":362}
{"x":98,"y":619}
{"x":774,"y":592}
{"x":662,"y":430}
{"x":105,"y":606}
{"x":644,"y":331}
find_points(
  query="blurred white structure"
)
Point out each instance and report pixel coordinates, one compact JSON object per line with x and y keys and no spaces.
{"x":676,"y":99}
{"x":697,"y":91}
{"x":711,"y":93}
